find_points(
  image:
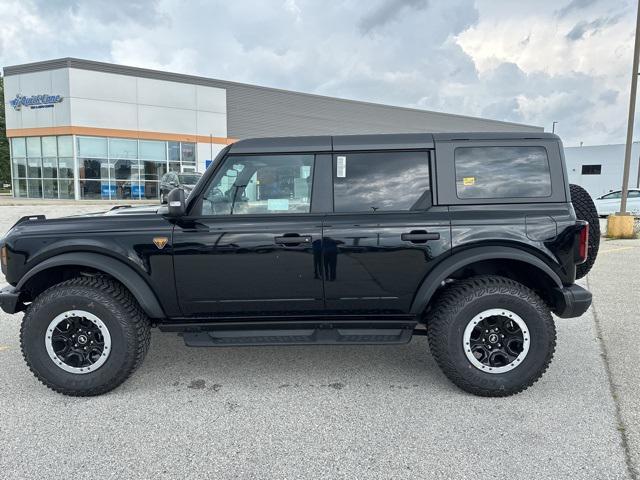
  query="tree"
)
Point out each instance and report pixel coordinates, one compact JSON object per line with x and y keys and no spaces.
{"x":5,"y":169}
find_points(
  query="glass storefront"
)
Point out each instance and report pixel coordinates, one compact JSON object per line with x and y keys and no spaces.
{"x":43,"y":167}
{"x":108,"y":168}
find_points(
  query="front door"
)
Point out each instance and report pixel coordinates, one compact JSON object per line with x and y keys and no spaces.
{"x":251,"y":247}
{"x":384,"y":235}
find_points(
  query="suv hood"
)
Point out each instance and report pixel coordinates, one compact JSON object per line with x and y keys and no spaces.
{"x":135,"y":210}
{"x":124,"y":210}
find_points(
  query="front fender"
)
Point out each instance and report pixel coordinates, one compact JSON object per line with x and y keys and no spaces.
{"x":118,"y":270}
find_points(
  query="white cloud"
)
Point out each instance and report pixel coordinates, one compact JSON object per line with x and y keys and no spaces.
{"x":530,"y":62}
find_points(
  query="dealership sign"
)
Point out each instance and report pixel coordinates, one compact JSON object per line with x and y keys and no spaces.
{"x":35,"y":101}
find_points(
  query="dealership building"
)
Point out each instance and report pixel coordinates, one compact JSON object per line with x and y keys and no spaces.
{"x":81,"y":129}
{"x":598,"y":168}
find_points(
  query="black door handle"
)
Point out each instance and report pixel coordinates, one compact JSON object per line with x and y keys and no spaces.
{"x":293,"y":239}
{"x":419,"y":236}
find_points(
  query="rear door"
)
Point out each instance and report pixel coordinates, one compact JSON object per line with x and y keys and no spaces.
{"x":507,"y":192}
{"x":251,"y":245}
{"x":384,"y":234}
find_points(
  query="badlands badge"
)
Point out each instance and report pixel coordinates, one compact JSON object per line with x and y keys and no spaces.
{"x":160,"y":242}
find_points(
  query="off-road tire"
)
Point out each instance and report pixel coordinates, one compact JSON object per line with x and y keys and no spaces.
{"x":586,"y":210}
{"x":458,"y":303}
{"x":128,"y":327}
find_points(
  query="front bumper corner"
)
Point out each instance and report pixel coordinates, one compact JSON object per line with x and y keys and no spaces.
{"x":10,"y":300}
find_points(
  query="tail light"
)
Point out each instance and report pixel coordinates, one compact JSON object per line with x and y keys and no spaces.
{"x":3,"y":258}
{"x":583,"y":244}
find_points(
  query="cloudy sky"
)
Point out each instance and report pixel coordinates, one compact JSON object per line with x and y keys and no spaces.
{"x":528,"y":61}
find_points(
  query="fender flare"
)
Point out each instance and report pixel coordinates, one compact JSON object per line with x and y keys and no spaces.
{"x":118,"y":270}
{"x":459,"y":260}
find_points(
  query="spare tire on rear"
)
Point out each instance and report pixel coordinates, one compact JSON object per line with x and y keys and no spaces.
{"x":586,"y":210}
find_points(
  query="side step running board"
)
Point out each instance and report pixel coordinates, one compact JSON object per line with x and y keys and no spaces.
{"x":301,"y":336}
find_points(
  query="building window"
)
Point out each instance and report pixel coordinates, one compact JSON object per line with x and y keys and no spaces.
{"x":18,"y":148}
{"x":188,"y":159}
{"x":108,"y":168}
{"x":37,"y":167}
{"x":591,"y":169}
{"x":92,"y":147}
{"x":123,"y":148}
{"x":128,"y":169}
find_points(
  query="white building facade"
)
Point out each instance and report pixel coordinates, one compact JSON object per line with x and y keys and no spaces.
{"x":98,"y":135}
{"x":90,"y":130}
{"x":599,"y":168}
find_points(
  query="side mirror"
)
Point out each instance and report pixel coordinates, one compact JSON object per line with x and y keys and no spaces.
{"x":176,"y":202}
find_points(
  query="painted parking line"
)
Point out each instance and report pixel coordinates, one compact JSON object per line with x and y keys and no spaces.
{"x":3,"y":348}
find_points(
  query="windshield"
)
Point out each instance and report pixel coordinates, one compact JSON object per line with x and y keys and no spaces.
{"x":190,"y":179}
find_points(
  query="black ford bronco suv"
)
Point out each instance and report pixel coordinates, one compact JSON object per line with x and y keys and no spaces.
{"x":471,"y":239}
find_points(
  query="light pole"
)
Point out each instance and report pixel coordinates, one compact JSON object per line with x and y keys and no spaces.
{"x":632,"y":112}
{"x":553,"y":127}
{"x":211,"y":147}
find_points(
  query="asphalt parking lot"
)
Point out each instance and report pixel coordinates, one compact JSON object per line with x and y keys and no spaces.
{"x":338,"y":412}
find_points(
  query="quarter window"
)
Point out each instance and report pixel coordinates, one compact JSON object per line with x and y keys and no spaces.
{"x":378,"y":182}
{"x":502,"y":172}
{"x":261,"y":184}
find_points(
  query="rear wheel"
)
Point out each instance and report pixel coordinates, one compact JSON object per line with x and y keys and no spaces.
{"x":586,"y":210}
{"x":491,"y":336}
{"x":84,"y":336}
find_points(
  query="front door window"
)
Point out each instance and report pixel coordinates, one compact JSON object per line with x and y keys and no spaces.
{"x":261,"y":184}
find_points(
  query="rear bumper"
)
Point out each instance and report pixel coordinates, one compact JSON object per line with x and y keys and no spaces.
{"x":10,"y":300}
{"x":571,"y":301}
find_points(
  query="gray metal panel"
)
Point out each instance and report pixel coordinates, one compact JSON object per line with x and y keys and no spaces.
{"x":383,"y":142}
{"x":260,"y":112}
{"x":254,"y":111}
{"x":281,"y":145}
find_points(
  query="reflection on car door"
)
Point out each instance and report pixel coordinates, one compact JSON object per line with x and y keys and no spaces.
{"x":251,"y":246}
{"x":384,"y":235}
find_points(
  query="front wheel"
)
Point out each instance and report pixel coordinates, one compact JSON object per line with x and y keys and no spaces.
{"x":84,"y":336}
{"x":491,"y":336}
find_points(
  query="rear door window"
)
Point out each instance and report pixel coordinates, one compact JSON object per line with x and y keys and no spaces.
{"x":378,"y":182}
{"x":502,"y":172}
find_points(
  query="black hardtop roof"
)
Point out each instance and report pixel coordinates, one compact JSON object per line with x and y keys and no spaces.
{"x":385,"y":141}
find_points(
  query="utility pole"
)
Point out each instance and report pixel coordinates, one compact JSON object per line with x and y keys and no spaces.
{"x":553,"y":127}
{"x":638,"y":180}
{"x":632,"y":112}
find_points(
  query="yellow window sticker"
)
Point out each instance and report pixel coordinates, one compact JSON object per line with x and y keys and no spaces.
{"x":468,"y":181}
